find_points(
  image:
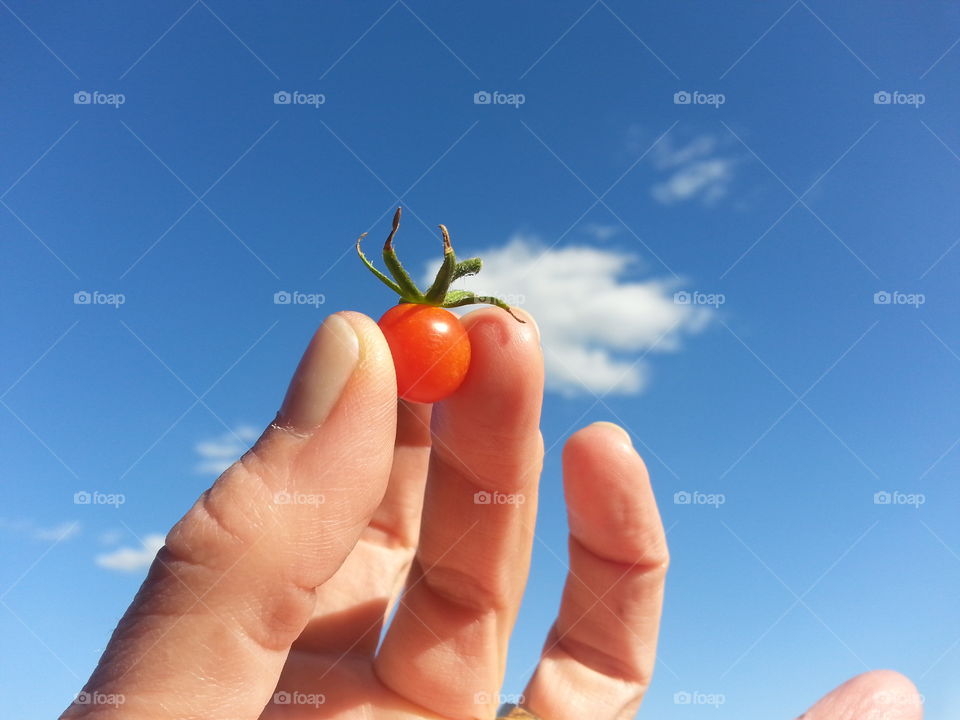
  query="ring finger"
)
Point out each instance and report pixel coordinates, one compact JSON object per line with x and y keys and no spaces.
{"x":599,"y":656}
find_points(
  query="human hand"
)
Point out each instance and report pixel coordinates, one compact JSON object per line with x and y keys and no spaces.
{"x":270,"y":595}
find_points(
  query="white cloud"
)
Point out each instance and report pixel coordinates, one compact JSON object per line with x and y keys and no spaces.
{"x":667,"y":155}
{"x":220,"y":453}
{"x":697,"y":170}
{"x":128,"y":559}
{"x":596,"y":323}
{"x":600,"y":231}
{"x":707,"y":179}
{"x":55,"y":533}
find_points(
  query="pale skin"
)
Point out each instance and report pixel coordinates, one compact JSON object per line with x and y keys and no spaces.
{"x":255,"y":601}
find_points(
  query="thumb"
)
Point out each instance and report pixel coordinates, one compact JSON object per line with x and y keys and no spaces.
{"x":209,"y":631}
{"x":874,"y":695}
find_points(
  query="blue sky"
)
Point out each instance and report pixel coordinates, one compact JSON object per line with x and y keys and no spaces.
{"x":781,"y":200}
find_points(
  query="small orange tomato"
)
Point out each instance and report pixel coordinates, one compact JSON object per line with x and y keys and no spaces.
{"x":430,"y":348}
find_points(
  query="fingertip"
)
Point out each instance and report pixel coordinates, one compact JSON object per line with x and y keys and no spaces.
{"x":592,"y":448}
{"x":506,"y":364}
{"x":611,"y":506}
{"x":322,"y":375}
{"x":375,"y":367}
{"x":885,"y":693}
{"x":502,"y":326}
{"x":372,"y":343}
{"x":614,"y":428}
{"x":528,"y":319}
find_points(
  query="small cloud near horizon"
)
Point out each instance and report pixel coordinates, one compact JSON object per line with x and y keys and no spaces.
{"x":221,"y":452}
{"x":56,"y":533}
{"x":600,"y":231}
{"x":132,"y":559}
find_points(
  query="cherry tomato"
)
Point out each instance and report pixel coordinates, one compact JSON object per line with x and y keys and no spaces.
{"x":430,"y":348}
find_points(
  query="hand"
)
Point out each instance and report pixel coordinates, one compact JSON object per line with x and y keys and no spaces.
{"x":271,"y":593}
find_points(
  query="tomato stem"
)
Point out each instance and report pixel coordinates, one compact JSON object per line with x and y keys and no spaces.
{"x":439,"y":293}
{"x":410,"y":290}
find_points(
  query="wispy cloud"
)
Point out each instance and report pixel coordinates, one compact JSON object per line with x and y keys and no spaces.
{"x":221,"y":452}
{"x":596,"y":322}
{"x":132,"y":559}
{"x":63,"y":531}
{"x":600,"y":231}
{"x":54,"y":533}
{"x":707,"y":180}
{"x":701,"y":169}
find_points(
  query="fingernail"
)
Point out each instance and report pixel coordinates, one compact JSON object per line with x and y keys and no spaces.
{"x":614,"y":426}
{"x":321,"y":376}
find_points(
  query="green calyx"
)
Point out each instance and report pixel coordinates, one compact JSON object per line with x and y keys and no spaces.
{"x":439,"y":293}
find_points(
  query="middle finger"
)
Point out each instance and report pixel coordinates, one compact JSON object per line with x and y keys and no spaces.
{"x":455,"y":618}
